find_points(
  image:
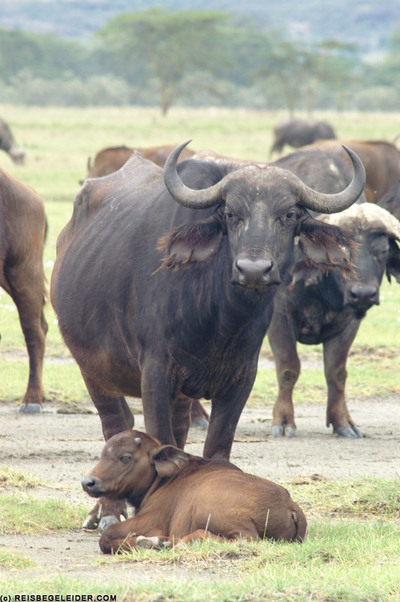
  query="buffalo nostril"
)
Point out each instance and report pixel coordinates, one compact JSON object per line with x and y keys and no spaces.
{"x":89,"y":483}
{"x":364,"y":294}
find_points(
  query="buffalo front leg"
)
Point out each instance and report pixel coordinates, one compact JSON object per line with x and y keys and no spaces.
{"x":161,"y":418}
{"x":225,"y":414}
{"x":335,"y":357}
{"x":287,"y":365}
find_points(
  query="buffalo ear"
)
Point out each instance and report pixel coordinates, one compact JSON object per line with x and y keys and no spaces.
{"x":191,"y":243}
{"x":327,"y":247}
{"x":393,"y":262}
{"x":168,"y":460}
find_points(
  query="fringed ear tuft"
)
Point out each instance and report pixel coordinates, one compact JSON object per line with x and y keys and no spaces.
{"x":191,"y":243}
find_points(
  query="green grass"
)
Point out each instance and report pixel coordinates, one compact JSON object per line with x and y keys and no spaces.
{"x":340,"y":561}
{"x":25,"y":513}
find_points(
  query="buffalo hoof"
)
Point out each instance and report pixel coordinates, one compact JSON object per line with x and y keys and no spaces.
{"x":290,"y":431}
{"x":30,"y":408}
{"x":200,"y":423}
{"x":280,"y":431}
{"x":349,"y":431}
{"x":106,"y":521}
{"x":151,"y":543}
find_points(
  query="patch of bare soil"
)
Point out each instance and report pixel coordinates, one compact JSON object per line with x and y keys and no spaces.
{"x":61,"y":448}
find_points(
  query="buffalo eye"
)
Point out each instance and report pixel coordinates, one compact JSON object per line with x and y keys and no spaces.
{"x":291,"y":215}
{"x":232,"y":218}
{"x":125,"y":459}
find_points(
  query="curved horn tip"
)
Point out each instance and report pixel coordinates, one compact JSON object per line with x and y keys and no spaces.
{"x":174,"y":154}
{"x":355,"y":159}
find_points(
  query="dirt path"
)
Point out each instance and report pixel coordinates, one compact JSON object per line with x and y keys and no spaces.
{"x":61,"y":448}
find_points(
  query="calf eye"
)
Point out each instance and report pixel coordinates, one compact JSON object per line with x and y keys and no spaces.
{"x":125,"y":459}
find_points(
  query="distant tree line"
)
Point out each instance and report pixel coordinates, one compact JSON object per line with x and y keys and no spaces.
{"x":194,"y":58}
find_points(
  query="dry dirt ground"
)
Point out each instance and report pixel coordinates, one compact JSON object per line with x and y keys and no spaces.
{"x":62,"y":447}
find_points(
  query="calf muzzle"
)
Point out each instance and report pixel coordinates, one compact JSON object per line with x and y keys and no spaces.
{"x":92,"y":486}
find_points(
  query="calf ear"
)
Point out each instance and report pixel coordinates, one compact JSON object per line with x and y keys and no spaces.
{"x":326,"y":247}
{"x":169,"y":460}
{"x":191,"y":243}
{"x":393,"y":262}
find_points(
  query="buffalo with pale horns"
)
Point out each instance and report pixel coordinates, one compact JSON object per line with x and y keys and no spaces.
{"x":164,"y":284}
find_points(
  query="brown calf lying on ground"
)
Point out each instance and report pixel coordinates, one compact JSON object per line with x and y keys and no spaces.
{"x":182,"y":497}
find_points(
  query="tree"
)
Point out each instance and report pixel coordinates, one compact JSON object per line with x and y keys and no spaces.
{"x":287,"y":64}
{"x":165,"y":45}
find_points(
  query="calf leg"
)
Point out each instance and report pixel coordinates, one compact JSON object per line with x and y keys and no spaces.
{"x":122,"y":537}
{"x":287,"y":366}
{"x":335,"y":357}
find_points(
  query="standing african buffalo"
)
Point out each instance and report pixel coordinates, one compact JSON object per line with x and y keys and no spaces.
{"x":299,"y":132}
{"x":111,"y":159}
{"x":163,"y":285}
{"x":22,"y":235}
{"x":381,"y":160}
{"x":328,"y":309}
{"x":179,"y":497}
{"x":8,"y":144}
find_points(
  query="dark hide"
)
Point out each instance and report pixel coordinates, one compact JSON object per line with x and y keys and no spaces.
{"x":179,"y":497}
{"x":391,"y":200}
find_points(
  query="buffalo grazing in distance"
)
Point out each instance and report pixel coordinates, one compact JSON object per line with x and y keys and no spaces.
{"x":22,"y":236}
{"x":181,"y":498}
{"x":300,"y":132}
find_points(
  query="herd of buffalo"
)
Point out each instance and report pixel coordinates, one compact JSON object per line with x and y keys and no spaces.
{"x":172,"y":270}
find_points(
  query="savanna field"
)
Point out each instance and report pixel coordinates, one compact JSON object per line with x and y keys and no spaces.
{"x":352,"y":551}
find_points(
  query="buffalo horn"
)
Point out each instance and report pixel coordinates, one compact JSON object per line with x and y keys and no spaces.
{"x":333,"y":203}
{"x":194,"y":199}
{"x":317,"y":201}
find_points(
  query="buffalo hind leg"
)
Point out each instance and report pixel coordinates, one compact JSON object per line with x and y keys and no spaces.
{"x":28,"y":296}
{"x":335,"y":357}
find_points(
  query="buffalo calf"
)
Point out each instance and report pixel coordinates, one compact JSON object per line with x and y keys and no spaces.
{"x":179,"y":497}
